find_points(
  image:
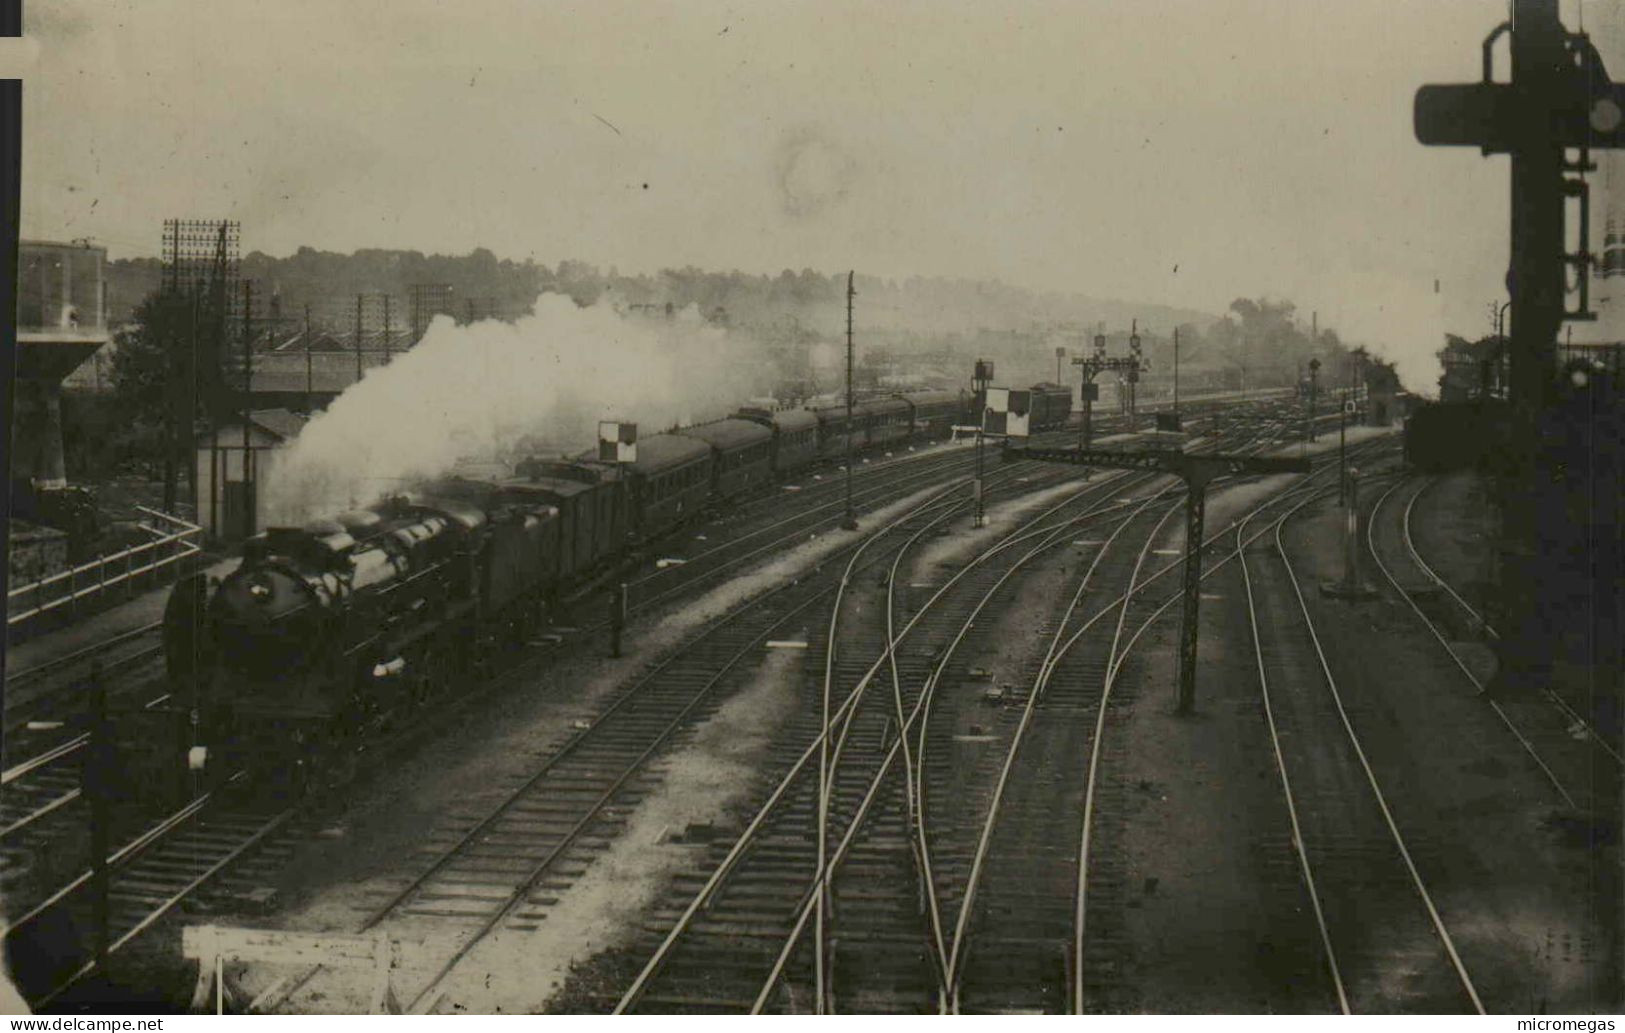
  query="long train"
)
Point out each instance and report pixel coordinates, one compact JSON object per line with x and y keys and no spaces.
{"x":326,"y":632}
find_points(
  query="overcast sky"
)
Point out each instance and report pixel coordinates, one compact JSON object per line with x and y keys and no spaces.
{"x":1182,"y":151}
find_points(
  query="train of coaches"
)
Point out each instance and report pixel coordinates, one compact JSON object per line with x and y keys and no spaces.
{"x":326,"y":631}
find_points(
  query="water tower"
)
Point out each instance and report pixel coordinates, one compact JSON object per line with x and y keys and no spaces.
{"x":61,"y":322}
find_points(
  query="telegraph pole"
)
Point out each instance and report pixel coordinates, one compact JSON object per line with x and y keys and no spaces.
{"x":248,"y":403}
{"x":358,"y":369}
{"x":310,"y":387}
{"x":1176,"y":374}
{"x":387,"y":353}
{"x":851,"y":521}
{"x":1314,"y":390}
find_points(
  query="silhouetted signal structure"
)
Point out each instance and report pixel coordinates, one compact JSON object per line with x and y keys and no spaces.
{"x":1197,"y":471}
{"x":1559,"y":99}
{"x":1093,"y":365}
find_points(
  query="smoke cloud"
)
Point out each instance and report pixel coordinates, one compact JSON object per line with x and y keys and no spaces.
{"x":488,"y":391}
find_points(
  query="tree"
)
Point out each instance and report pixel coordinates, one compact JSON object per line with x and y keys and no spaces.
{"x":145,"y":394}
{"x":172,"y":367}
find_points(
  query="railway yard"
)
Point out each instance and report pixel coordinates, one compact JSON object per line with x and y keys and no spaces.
{"x":931,"y":764}
{"x":1097,"y":509}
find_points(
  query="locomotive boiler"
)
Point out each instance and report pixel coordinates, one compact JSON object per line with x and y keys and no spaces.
{"x":327,"y":632}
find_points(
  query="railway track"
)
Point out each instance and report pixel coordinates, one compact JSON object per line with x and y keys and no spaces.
{"x":506,"y":868}
{"x":44,"y":818}
{"x":52,"y":945}
{"x":1554,"y":737}
{"x":1038,"y":925}
{"x":45,"y":741}
{"x":48,"y":692}
{"x":1577,"y":722}
{"x":1045,"y":932}
{"x":765,"y":895}
{"x":873,"y":957}
{"x":42,"y":808}
{"x":162,"y":863}
{"x":1385,"y":943}
{"x":157,"y":870}
{"x":37,"y":788}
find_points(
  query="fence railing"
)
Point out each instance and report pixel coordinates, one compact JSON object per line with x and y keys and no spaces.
{"x":173,"y":540}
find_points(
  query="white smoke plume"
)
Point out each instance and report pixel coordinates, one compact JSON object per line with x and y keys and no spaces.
{"x":475,"y":391}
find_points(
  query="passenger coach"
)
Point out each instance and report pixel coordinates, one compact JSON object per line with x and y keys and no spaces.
{"x":742,"y":454}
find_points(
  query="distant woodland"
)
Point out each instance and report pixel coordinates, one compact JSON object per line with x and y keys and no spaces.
{"x":911,"y":331}
{"x":813,"y":301}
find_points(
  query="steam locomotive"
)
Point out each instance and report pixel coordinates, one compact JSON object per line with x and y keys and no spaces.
{"x":326,"y":632}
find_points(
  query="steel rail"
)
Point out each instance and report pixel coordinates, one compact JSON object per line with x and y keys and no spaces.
{"x":891,"y":493}
{"x":171,"y":902}
{"x":828,"y":758}
{"x":1311,"y":493}
{"x":1371,"y":776}
{"x":820,"y":883}
{"x":917,"y":781}
{"x":1438,"y":636}
{"x":1054,"y":655}
{"x":422,"y":1001}
{"x":1298,"y":845}
{"x":658,"y":959}
{"x":283,"y":988}
{"x":55,"y":753}
{"x":54,"y":804}
{"x":958,"y":949}
{"x":826,"y":780}
{"x":1433,"y":575}
{"x":118,"y":858}
{"x":1122,"y":600}
{"x":921,"y":706}
{"x":1113,"y":661}
{"x":847,"y":706}
{"x":1557,"y":701}
{"x":594,"y":811}
{"x":947,"y":467}
{"x":83,"y":653}
{"x":662,"y":952}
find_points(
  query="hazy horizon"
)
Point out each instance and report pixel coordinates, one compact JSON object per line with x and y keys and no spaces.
{"x":1168,"y":152}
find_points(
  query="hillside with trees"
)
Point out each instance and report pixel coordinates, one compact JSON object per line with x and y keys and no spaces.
{"x":328,"y":281}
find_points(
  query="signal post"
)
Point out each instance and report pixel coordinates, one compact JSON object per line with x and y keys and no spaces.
{"x":1197,"y":471}
{"x":1093,"y":365}
{"x":1558,"y":99}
